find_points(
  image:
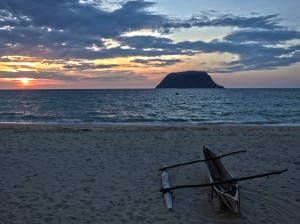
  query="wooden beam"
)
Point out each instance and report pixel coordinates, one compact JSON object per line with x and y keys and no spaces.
{"x":199,"y":161}
{"x":222,"y":182}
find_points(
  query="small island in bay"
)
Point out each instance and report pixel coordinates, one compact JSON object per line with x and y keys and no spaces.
{"x":188,"y":79}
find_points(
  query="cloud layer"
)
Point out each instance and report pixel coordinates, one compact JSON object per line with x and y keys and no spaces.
{"x":78,"y":30}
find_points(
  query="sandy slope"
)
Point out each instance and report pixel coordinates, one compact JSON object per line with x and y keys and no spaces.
{"x":108,"y":174}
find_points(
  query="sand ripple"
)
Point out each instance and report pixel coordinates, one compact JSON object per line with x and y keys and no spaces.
{"x":266,"y":205}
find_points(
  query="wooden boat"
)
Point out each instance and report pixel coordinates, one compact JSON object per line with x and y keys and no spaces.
{"x":221,"y":181}
{"x":228,"y":192}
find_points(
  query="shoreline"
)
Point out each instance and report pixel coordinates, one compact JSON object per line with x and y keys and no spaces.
{"x":108,"y":173}
{"x":153,"y":124}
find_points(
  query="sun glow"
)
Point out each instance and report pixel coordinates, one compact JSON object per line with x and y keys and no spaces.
{"x":25,"y":81}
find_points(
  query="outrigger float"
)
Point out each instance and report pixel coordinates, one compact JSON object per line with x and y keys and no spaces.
{"x":221,"y":181}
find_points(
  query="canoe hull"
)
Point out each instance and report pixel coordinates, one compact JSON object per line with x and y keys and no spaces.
{"x":228,"y":192}
{"x":231,"y":202}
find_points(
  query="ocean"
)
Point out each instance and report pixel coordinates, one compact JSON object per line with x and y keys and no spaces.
{"x":152,"y":106}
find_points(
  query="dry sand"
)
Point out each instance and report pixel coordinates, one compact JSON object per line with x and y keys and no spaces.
{"x":108,"y":174}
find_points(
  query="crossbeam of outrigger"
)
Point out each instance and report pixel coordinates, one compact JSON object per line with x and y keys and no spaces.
{"x":200,"y":160}
{"x":223,"y":182}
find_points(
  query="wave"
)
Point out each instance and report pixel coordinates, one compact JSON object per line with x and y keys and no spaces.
{"x":230,"y":107}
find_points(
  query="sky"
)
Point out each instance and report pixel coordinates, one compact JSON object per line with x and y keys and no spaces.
{"x":94,"y":44}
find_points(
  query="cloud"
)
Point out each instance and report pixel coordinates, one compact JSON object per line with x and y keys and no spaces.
{"x":251,"y":56}
{"x":263,"y":36}
{"x":65,"y":28}
{"x":90,"y":76}
{"x":88,"y":66}
{"x":38,"y":75}
{"x":146,"y":42}
{"x":110,"y":75}
{"x":82,"y":18}
{"x":215,"y":19}
{"x":62,"y":30}
{"x":4,"y":59}
{"x":157,"y":62}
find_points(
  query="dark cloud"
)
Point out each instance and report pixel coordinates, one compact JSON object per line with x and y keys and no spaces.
{"x":262,"y":22}
{"x":88,"y":66}
{"x":119,"y":75}
{"x":264,"y":36}
{"x":104,"y":76}
{"x":4,"y":59}
{"x":214,"y":19}
{"x":264,"y":58}
{"x":252,"y":56}
{"x":64,"y":28}
{"x":59,"y":30}
{"x":157,"y":62}
{"x":71,"y":15}
{"x":146,"y":42}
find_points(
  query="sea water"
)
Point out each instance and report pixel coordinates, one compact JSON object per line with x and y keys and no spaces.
{"x":153,"y":106}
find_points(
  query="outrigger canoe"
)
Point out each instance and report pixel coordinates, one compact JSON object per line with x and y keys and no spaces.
{"x":228,"y":192}
{"x":221,"y":181}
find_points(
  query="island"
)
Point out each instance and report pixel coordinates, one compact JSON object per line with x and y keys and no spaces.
{"x":188,"y":79}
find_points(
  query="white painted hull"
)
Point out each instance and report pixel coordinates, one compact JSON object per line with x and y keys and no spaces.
{"x":166,"y":184}
{"x":231,"y":202}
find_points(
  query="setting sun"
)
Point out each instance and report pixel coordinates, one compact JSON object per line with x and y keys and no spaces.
{"x":25,"y":81}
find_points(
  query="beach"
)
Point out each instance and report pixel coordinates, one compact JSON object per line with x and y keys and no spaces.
{"x":58,"y":173}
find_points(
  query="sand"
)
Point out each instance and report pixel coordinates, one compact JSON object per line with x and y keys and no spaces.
{"x":109,"y":173}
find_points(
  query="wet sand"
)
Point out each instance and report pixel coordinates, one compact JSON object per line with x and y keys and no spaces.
{"x":108,"y":173}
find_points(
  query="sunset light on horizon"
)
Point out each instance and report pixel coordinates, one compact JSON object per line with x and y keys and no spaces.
{"x":78,"y":44}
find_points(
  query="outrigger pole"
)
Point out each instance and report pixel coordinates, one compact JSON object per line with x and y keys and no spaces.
{"x":222,"y":182}
{"x":201,"y":160}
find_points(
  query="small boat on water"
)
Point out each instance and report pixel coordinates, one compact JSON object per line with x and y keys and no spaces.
{"x":221,"y":181}
{"x":228,"y":192}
